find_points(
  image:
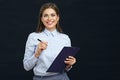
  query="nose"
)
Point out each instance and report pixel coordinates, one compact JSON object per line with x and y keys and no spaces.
{"x":49,"y":17}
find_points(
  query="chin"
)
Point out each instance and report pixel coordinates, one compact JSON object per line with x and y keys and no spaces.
{"x":50,"y":27}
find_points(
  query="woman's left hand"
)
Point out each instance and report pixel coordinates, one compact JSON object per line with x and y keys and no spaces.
{"x":70,"y":61}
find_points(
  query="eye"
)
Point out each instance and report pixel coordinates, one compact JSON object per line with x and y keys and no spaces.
{"x":53,"y":15}
{"x":45,"y":15}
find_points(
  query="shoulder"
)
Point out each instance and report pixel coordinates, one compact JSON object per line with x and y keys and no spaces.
{"x":63,"y":35}
{"x":33,"y":34}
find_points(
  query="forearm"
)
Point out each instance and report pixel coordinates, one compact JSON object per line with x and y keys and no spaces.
{"x":29,"y":63}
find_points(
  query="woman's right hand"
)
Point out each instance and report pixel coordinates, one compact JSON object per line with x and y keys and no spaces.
{"x":41,"y":46}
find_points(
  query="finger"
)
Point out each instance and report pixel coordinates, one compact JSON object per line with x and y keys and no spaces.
{"x":70,"y":57}
{"x":44,"y":46}
{"x":71,"y":60}
{"x":40,"y":46}
{"x":46,"y":43}
{"x":68,"y":62}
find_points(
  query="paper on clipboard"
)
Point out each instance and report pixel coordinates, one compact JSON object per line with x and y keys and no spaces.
{"x":58,"y":64}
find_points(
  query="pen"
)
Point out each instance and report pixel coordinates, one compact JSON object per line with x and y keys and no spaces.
{"x":39,"y":40}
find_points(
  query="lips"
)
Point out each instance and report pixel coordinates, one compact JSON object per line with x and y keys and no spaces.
{"x":49,"y":22}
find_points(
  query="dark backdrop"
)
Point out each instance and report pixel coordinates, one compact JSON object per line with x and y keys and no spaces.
{"x":93,"y":25}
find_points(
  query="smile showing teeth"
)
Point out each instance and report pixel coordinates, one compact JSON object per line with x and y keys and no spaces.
{"x":49,"y":23}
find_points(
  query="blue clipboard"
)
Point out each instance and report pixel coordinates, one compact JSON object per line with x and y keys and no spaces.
{"x":58,"y":64}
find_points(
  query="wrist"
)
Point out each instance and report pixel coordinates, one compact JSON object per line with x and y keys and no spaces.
{"x":37,"y":54}
{"x":68,"y":68}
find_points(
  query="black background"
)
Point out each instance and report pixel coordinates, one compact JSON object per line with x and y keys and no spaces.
{"x":92,"y":25}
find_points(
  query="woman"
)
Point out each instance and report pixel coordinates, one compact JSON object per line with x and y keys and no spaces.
{"x":44,"y":45}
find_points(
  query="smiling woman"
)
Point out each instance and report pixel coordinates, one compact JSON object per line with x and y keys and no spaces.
{"x":53,"y":12}
{"x":44,"y":45}
{"x":50,"y":19}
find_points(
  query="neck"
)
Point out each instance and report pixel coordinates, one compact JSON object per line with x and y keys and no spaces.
{"x":50,"y":29}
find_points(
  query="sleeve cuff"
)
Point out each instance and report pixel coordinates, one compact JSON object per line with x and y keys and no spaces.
{"x":68,"y":69}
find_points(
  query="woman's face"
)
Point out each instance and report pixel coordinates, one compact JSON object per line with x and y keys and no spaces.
{"x":50,"y":19}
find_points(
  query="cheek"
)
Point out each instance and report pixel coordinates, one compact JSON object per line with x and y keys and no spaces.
{"x":56,"y":19}
{"x":43,"y":19}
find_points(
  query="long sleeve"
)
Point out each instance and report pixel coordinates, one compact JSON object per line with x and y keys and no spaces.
{"x":29,"y":60}
{"x":68,"y":41}
{"x":69,"y":44}
{"x":56,"y":41}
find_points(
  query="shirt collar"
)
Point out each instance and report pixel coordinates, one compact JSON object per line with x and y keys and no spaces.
{"x":48,"y":33}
